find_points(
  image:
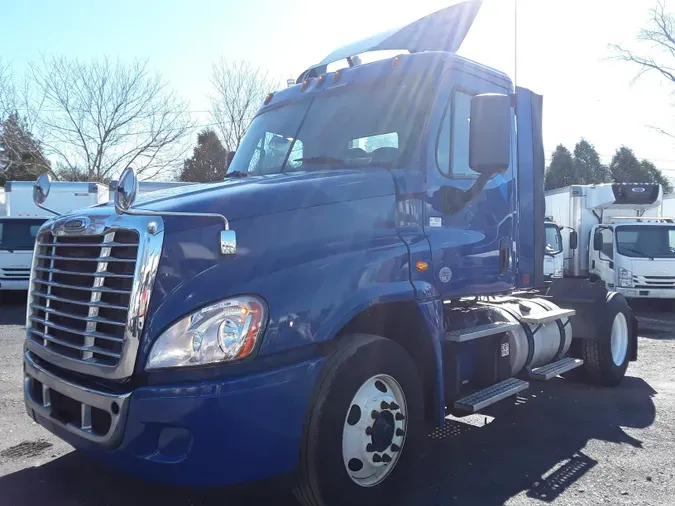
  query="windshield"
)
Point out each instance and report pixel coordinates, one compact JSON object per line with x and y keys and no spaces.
{"x":377,"y":123}
{"x":646,"y":241}
{"x":553,"y":239}
{"x":19,"y":234}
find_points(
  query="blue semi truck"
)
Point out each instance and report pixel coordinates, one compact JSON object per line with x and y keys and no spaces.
{"x":368,"y":267}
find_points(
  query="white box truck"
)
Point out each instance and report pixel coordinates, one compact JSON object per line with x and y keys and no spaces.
{"x":23,"y":219}
{"x":668,"y":206}
{"x":614,"y":232}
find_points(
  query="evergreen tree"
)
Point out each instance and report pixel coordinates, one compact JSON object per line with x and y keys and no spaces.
{"x":625,"y":167}
{"x":208,"y":161}
{"x":587,"y":166}
{"x":656,"y":176}
{"x":21,"y":157}
{"x":561,"y":170}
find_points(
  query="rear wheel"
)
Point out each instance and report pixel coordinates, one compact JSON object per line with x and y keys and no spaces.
{"x":365,"y":425}
{"x":606,"y":359}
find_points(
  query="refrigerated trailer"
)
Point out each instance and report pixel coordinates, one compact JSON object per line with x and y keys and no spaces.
{"x":614,"y":232}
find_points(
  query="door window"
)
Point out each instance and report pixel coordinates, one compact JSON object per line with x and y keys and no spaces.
{"x":452,"y":148}
{"x":607,"y":242}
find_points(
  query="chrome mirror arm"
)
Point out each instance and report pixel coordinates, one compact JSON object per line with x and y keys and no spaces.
{"x":228,"y":238}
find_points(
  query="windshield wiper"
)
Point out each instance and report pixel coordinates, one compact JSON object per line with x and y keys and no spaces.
{"x":641,"y":253}
{"x":236,"y":173}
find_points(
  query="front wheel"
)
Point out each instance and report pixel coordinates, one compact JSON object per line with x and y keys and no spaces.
{"x":365,"y":425}
{"x":606,"y":359}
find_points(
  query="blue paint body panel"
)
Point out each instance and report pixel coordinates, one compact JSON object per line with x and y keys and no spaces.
{"x":526,"y":257}
{"x":215,"y":432}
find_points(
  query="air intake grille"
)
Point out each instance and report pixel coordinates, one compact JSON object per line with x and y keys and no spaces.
{"x":81,"y":292}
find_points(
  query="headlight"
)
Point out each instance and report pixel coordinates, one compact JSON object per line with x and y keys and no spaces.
{"x":625,"y":273}
{"x":558,"y":273}
{"x":221,"y":332}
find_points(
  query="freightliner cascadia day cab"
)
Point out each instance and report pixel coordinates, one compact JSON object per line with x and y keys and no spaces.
{"x":614,"y":232}
{"x":19,"y":227}
{"x":363,"y":272}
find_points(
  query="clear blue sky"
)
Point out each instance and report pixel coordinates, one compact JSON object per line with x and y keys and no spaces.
{"x":562,"y":50}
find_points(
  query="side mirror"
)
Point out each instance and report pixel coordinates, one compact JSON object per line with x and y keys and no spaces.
{"x":126,"y":190}
{"x":574,"y":239}
{"x":41,"y":189}
{"x":230,"y":156}
{"x":597,"y":241}
{"x":490,"y":133}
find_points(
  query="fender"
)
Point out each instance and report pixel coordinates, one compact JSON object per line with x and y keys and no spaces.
{"x":316,"y":267}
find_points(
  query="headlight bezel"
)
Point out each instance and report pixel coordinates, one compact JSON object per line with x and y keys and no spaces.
{"x":625,"y":278}
{"x":197,"y":339}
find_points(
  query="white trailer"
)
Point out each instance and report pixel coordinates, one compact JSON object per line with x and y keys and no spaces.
{"x":668,"y":206}
{"x":614,"y":232}
{"x":23,"y":219}
{"x":148,"y":186}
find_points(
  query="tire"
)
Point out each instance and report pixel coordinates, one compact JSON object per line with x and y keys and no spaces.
{"x":323,"y":476}
{"x":606,"y":359}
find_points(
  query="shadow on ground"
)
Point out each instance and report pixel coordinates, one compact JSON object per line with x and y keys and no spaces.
{"x":465,"y":464}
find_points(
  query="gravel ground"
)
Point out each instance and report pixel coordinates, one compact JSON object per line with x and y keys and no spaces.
{"x":562,"y":443}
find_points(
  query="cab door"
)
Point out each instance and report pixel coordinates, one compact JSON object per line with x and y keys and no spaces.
{"x":472,"y":246}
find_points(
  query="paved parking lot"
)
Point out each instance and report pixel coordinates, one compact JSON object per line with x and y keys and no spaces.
{"x":561,"y":443}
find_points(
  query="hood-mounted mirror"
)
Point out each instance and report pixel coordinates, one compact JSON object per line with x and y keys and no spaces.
{"x":41,"y":189}
{"x":125,"y":196}
{"x":126,"y":190}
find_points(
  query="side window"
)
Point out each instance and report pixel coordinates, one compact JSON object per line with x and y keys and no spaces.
{"x":271,"y":151}
{"x":452,"y":149}
{"x":608,"y":242}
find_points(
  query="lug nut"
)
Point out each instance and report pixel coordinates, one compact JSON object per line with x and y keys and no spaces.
{"x":374,"y":414}
{"x":393,"y":406}
{"x":369,"y":448}
{"x":399,"y":416}
{"x":369,"y":431}
{"x":399,"y":432}
{"x":384,"y":405}
{"x":386,"y":458}
{"x":395,"y":448}
{"x":377,"y":458}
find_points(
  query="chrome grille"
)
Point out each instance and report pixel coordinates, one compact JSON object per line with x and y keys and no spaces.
{"x":654,"y":282}
{"x":90,"y":287}
{"x":81,"y":290}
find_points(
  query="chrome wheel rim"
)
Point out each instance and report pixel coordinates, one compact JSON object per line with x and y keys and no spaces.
{"x":619,"y":339}
{"x":374,"y":431}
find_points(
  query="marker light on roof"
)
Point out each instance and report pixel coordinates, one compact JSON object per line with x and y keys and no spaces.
{"x":337,"y":75}
{"x":321,"y":80}
{"x":268,"y":98}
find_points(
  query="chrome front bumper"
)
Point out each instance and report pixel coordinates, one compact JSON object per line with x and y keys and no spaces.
{"x":93,"y":415}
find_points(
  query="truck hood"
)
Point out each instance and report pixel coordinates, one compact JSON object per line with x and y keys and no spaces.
{"x":247,"y":197}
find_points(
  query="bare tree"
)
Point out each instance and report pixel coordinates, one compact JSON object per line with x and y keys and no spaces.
{"x":239,"y":90}
{"x":660,"y":36}
{"x":98,"y":118}
{"x":7,"y":90}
